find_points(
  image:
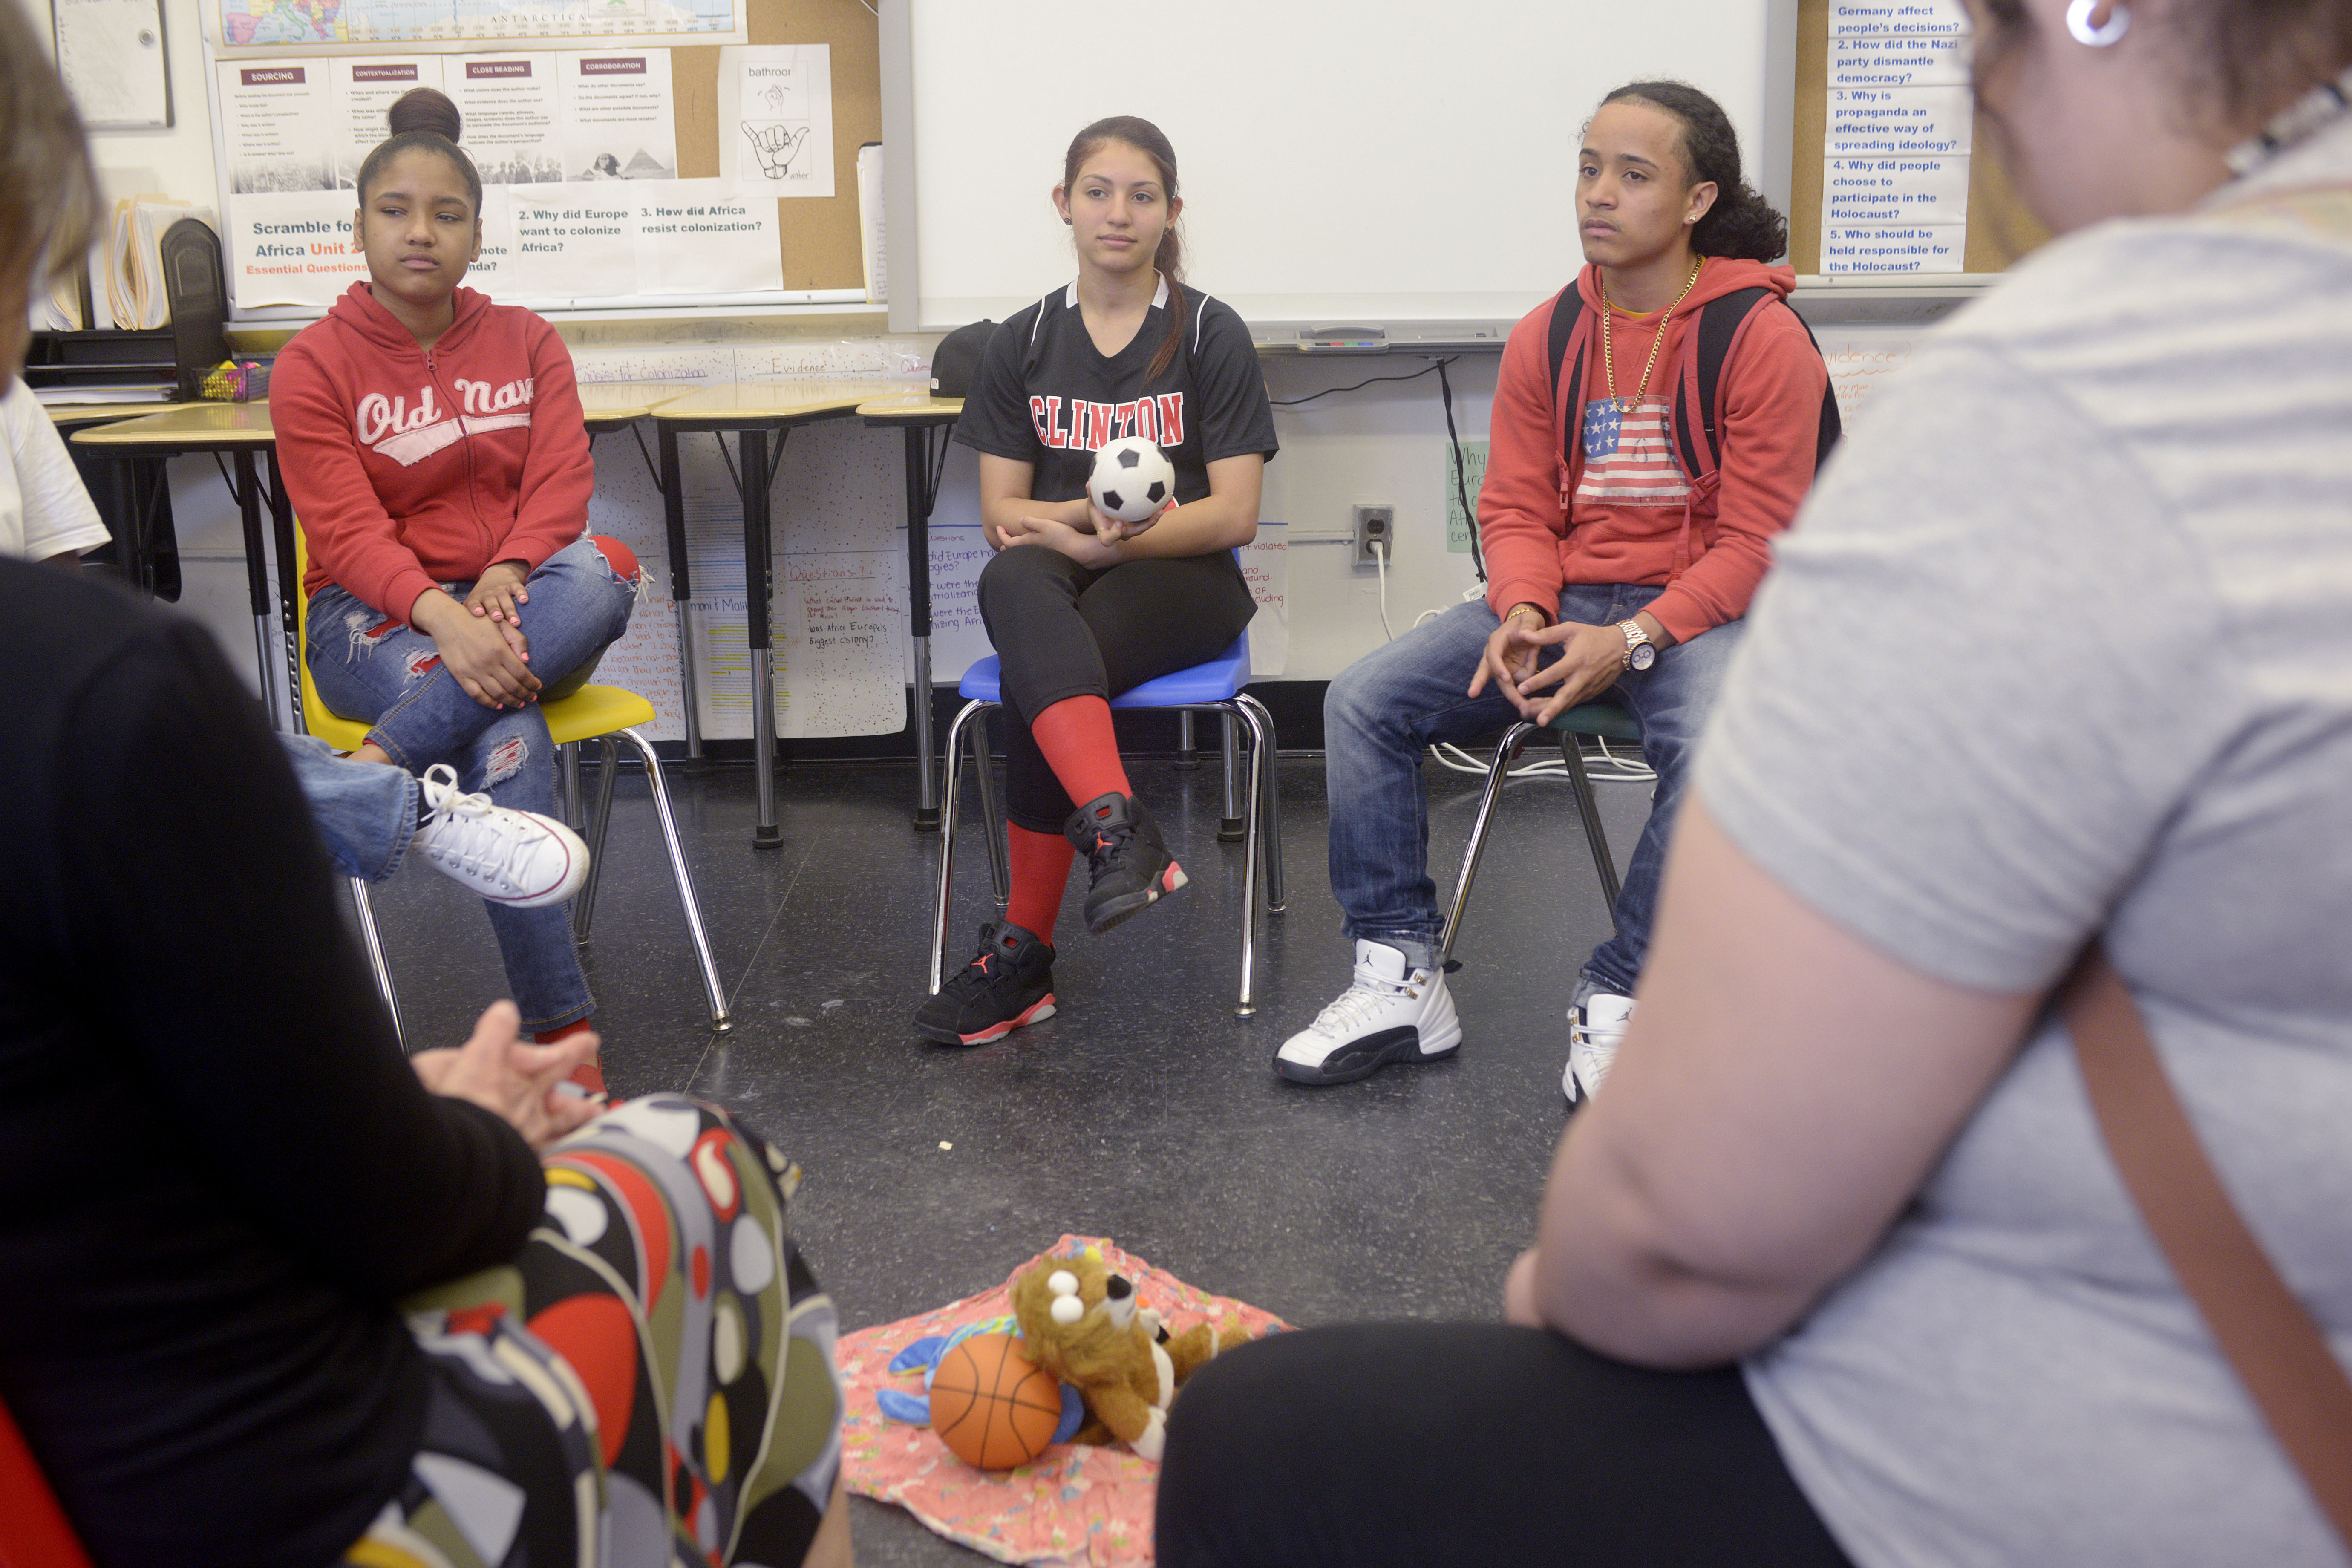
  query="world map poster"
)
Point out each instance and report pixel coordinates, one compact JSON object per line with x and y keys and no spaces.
{"x":245,"y":24}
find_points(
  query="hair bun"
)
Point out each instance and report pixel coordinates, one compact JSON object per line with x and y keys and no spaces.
{"x":427,"y":110}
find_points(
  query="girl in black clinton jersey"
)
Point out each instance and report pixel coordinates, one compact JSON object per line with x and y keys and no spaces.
{"x":1081,"y":608}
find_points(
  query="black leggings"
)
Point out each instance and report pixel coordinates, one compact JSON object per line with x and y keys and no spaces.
{"x":1063,"y":630}
{"x":1428,"y":1443}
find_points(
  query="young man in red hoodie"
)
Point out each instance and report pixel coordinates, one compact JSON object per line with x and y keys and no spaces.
{"x":1604,"y":557}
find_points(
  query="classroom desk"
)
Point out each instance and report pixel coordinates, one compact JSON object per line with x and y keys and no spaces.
{"x":609,"y":405}
{"x":925,"y":422}
{"x":751,"y":411}
{"x":242,"y":431}
{"x":146,"y":556}
{"x":74,"y":415}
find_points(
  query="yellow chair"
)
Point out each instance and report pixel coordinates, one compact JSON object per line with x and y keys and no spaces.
{"x":600,"y":713}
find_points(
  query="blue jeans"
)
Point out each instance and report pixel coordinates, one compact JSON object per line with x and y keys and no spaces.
{"x":1385,"y":709}
{"x":366,"y":815}
{"x":372,"y":668}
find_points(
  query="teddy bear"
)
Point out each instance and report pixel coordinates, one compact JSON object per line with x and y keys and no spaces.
{"x":1082,"y":1323}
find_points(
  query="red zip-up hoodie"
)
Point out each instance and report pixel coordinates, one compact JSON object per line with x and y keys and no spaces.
{"x":1631,"y":516}
{"x":408,"y":469}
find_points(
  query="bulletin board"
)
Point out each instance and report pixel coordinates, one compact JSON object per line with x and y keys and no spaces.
{"x":2000,"y":228}
{"x":819,"y":234}
{"x":622,"y":241}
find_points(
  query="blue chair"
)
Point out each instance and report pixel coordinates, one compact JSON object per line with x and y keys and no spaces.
{"x":1214,"y":687}
{"x":1605,"y":720}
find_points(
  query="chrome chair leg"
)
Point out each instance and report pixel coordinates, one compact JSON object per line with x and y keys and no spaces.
{"x":1262,"y":721}
{"x":583,"y":903}
{"x":568,"y":756}
{"x":953,"y":754}
{"x":1000,"y":867}
{"x":1513,"y":738}
{"x":1571,"y":748}
{"x":1188,"y":747}
{"x":1253,"y":839}
{"x":719,"y":1022}
{"x":370,"y":940}
{"x":1230,"y":828}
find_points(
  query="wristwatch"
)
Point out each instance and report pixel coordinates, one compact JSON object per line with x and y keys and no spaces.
{"x":1640,"y":651}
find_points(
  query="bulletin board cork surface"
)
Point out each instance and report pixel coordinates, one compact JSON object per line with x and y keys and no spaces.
{"x":819,"y":235}
{"x":2001,"y":230}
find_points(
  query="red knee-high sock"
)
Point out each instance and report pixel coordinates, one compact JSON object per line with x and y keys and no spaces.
{"x":1041,"y":870}
{"x":1081,"y":748}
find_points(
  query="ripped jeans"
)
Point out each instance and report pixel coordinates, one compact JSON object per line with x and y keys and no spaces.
{"x":370,"y":667}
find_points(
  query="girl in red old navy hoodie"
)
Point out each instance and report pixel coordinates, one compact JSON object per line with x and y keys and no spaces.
{"x":434,"y":450}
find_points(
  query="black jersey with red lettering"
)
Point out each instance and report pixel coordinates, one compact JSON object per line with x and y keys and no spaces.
{"x":1043,"y":393}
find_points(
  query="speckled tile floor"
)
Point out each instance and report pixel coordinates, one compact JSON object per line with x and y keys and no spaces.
{"x":1145,"y":1112}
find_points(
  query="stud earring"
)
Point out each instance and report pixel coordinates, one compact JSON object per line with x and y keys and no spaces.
{"x":2098,"y":36}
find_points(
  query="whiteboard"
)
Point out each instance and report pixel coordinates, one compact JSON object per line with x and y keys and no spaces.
{"x":1375,"y":162}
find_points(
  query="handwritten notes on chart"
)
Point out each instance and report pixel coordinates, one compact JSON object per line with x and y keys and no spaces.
{"x":1862,"y":359}
{"x":838,"y":615}
{"x":1895,"y":181}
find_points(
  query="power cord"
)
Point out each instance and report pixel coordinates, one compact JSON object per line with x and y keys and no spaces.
{"x":1461,"y":484}
{"x":1381,"y":562}
{"x":1438,"y":369}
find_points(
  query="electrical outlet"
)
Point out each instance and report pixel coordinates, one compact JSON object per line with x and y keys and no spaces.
{"x":1375,"y":525}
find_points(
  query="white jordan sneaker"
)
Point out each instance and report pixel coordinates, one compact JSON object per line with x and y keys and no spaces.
{"x":1389,"y":1013}
{"x":515,"y":857}
{"x":1594,"y":1031}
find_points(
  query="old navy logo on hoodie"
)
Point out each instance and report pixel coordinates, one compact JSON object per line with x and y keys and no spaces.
{"x":409,"y":432}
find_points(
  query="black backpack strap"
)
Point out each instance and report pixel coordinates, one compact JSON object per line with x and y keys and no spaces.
{"x":1564,"y":313}
{"x":1700,"y":445}
{"x":1832,"y":426}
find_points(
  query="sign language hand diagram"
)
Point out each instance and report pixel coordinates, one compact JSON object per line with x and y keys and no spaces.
{"x":776,"y":145}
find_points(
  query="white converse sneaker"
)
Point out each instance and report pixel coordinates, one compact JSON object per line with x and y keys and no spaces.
{"x":515,"y":857}
{"x":1389,"y":1013}
{"x":1593,"y":1033}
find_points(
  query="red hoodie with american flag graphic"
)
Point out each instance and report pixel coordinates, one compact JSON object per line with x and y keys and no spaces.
{"x":409,"y":468}
{"x":1623,"y":511}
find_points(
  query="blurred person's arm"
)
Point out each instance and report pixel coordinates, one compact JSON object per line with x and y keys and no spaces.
{"x":1782,"y":1092}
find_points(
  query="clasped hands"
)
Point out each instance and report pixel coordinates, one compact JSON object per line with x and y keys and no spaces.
{"x":1097,"y":550}
{"x":480,"y":639}
{"x":1591,"y":659}
{"x":519,"y":1081}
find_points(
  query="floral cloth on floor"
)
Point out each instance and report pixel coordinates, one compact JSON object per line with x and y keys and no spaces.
{"x":1076,"y":1507}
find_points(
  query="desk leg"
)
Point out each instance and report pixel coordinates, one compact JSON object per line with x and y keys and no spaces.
{"x":256,"y":584}
{"x":281,"y":528}
{"x":681,"y":586}
{"x":919,"y":624}
{"x":758,"y":585}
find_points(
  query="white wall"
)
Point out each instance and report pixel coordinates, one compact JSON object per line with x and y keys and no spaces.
{"x":176,"y":162}
{"x":1382,"y":445}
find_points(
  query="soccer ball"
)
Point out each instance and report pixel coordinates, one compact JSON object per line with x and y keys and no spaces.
{"x":1132,"y":479}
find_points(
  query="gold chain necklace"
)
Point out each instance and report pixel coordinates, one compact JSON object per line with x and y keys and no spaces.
{"x":1608,"y":351}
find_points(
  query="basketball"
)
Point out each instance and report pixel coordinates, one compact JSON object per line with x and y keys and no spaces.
{"x":990,"y":1406}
